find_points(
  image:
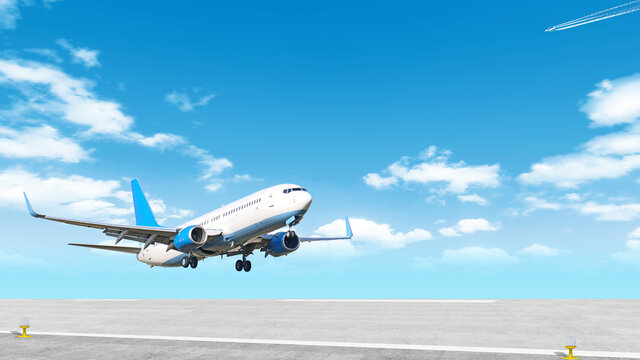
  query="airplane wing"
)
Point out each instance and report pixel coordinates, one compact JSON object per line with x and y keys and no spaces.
{"x":267,"y":237}
{"x":348,"y":237}
{"x":124,"y":249}
{"x":145,"y":234}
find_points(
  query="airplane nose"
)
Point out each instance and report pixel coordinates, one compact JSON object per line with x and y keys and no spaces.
{"x":307,"y":200}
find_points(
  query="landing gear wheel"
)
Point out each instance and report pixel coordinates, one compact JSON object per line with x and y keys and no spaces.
{"x":193,"y":262}
{"x":239,"y":265}
{"x":185,"y":262}
{"x":247,"y":266}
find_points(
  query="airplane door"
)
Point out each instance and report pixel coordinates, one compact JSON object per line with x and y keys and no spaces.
{"x":270,"y":200}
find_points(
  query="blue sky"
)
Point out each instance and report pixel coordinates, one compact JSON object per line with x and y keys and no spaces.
{"x":477,"y":155}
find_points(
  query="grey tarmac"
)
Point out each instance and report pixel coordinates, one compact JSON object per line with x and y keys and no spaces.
{"x":598,"y":325}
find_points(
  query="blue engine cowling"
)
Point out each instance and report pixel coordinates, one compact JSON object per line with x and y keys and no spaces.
{"x":189,"y":238}
{"x":283,"y":243}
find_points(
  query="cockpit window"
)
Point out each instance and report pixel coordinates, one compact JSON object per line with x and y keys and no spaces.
{"x":286,"y":191}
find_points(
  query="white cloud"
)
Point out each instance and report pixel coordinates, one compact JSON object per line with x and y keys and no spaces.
{"x":85,"y":56}
{"x":242,"y":178}
{"x":179,"y":214}
{"x":468,"y":226}
{"x":602,"y":212}
{"x":336,"y":249}
{"x":47,"y":53}
{"x":534,"y":203}
{"x":621,"y":143}
{"x":50,"y":93}
{"x":477,"y":255}
{"x":569,"y":171}
{"x":379,"y":182}
{"x":213,"y":186}
{"x":214,"y":166}
{"x":370,"y":233}
{"x":160,"y":141}
{"x":635,"y":234}
{"x":474,"y":198}
{"x":609,"y":212}
{"x":432,"y":169}
{"x":9,"y":14}
{"x":633,"y":245}
{"x":101,"y":209}
{"x":629,"y":257}
{"x":74,"y":196}
{"x":541,"y":250}
{"x":56,"y":191}
{"x":69,"y":97}
{"x":610,"y":156}
{"x":572,"y":197}
{"x":614,"y":102}
{"x":40,"y":142}
{"x":184,"y":102}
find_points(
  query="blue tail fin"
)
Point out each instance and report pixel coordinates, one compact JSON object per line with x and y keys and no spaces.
{"x":144,"y":215}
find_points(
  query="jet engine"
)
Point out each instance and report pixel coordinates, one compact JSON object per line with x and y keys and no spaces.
{"x":283,"y":243}
{"x":189,"y":238}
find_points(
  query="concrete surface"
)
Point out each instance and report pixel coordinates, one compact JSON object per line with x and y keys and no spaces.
{"x":598,"y":325}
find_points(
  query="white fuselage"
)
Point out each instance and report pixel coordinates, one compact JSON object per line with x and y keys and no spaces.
{"x":240,"y":222}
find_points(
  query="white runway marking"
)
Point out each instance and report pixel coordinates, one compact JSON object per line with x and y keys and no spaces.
{"x":472,"y":349}
{"x":462,"y":301}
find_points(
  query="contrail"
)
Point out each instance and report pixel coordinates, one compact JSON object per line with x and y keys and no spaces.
{"x":600,"y":15}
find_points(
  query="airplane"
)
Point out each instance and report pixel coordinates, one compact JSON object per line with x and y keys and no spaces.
{"x":236,"y":229}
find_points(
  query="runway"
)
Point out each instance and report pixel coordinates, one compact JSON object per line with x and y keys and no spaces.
{"x":336,"y":329}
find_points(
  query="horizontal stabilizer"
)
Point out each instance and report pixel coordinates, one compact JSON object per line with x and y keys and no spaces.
{"x":124,"y":249}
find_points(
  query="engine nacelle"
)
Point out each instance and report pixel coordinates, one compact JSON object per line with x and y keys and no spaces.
{"x":189,"y":238}
{"x":283,"y":243}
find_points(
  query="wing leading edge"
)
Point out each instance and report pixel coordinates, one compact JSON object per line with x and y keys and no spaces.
{"x":145,"y":234}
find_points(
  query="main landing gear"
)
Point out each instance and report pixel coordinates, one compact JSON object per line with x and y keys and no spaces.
{"x":190,"y":261}
{"x":243,"y":264}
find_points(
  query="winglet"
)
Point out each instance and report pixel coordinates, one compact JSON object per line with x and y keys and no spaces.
{"x":346,"y":221}
{"x":33,"y":213}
